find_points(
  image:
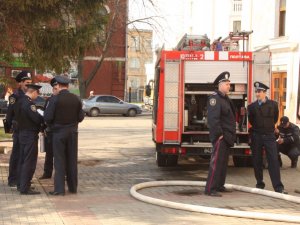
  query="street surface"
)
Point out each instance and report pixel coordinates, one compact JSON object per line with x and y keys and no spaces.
{"x":116,"y":153}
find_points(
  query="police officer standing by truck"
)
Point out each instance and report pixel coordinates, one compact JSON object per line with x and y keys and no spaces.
{"x":63,"y":113}
{"x":23,"y":78}
{"x":29,"y":125}
{"x":263,"y":115}
{"x":222,"y":133}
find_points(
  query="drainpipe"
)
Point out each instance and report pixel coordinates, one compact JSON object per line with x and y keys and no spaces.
{"x":126,"y":52}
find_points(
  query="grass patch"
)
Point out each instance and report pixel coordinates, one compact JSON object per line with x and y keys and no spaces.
{"x":4,"y":136}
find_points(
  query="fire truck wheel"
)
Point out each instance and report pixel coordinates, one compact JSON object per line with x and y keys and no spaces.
{"x":131,"y":112}
{"x":161,"y":160}
{"x":166,"y":160}
{"x":172,"y":160}
{"x":94,"y":112}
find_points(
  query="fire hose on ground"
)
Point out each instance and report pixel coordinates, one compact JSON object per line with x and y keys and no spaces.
{"x":217,"y":211}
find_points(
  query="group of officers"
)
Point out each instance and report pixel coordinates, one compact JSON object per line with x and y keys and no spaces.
{"x":262,"y":115}
{"x":63,"y":111}
{"x":59,"y":122}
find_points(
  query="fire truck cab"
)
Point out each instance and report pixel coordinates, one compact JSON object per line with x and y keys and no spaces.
{"x":184,"y":80}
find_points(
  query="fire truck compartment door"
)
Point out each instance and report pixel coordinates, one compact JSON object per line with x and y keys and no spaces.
{"x":207,"y":71}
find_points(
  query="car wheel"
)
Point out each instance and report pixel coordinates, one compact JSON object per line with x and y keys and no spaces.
{"x":131,"y":112}
{"x":94,"y":112}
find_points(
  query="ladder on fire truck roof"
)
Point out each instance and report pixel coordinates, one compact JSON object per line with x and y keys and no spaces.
{"x":231,"y":42}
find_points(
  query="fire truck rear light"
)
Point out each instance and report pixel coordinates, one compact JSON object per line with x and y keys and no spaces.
{"x":169,"y":150}
{"x":182,"y":151}
{"x":248,"y":152}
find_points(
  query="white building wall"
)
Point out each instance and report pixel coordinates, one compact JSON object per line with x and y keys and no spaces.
{"x":263,"y":18}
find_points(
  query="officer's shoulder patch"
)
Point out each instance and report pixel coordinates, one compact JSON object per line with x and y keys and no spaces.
{"x":212,"y":101}
{"x":33,"y":108}
{"x":12,"y":100}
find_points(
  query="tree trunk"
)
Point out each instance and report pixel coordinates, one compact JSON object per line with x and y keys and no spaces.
{"x":82,"y":83}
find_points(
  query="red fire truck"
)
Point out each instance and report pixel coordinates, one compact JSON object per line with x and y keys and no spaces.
{"x":182,"y":84}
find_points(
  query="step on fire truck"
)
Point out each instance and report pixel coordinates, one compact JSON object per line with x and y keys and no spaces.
{"x":184,"y":80}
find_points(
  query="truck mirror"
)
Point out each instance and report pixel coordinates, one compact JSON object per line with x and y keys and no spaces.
{"x":148,"y":90}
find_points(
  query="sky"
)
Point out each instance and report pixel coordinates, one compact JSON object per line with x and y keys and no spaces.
{"x":171,"y":19}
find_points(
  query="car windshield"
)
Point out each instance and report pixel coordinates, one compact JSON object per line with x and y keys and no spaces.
{"x":91,"y":97}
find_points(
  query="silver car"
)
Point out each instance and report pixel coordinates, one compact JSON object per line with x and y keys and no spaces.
{"x":108,"y":104}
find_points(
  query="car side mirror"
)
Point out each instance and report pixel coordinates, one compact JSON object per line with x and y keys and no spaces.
{"x":121,"y":102}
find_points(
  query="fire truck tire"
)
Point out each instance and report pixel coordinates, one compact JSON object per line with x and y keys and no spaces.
{"x":241,"y":161}
{"x":172,"y":160}
{"x":161,"y":160}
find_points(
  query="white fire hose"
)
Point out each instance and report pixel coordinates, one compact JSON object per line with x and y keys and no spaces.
{"x":217,"y":211}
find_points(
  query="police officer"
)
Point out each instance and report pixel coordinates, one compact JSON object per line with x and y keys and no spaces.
{"x":29,"y":125}
{"x":263,"y":115}
{"x":48,"y":164}
{"x":222,"y":133}
{"x":23,"y":78}
{"x":63,"y":114}
{"x":288,"y":140}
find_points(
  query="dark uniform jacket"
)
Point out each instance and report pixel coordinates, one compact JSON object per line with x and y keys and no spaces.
{"x":63,"y":109}
{"x":221,"y":118}
{"x":290,"y":135}
{"x":12,"y":100}
{"x":27,"y":116}
{"x":263,"y":117}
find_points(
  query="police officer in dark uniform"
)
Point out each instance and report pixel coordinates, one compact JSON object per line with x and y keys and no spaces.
{"x":222,"y":133}
{"x":29,"y":124}
{"x":263,"y":115}
{"x":288,"y":140}
{"x":63,"y":113}
{"x":48,"y":164}
{"x":23,"y":78}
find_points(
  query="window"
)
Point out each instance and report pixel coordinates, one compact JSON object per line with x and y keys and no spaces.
{"x":101,"y":99}
{"x":14,"y":73}
{"x":282,"y":13}
{"x":112,"y":99}
{"x":135,"y":44}
{"x":236,"y":26}
{"x":148,"y":44}
{"x":108,"y":99}
{"x":134,"y":63}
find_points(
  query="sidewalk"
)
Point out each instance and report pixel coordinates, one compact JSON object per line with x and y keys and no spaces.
{"x":113,"y":156}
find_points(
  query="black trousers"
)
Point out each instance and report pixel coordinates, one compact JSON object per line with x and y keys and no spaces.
{"x":48,"y":164}
{"x":14,"y":159}
{"x":28,"y":158}
{"x":65,"y":151}
{"x":218,"y":166}
{"x":290,"y":150}
{"x":268,"y":141}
